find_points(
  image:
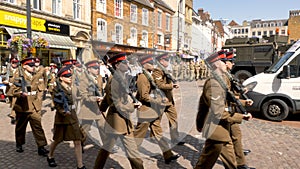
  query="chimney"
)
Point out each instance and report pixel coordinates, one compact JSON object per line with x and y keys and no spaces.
{"x":200,"y":11}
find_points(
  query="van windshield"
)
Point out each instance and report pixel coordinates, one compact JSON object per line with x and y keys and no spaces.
{"x":274,"y":68}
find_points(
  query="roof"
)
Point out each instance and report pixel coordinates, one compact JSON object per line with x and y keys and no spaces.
{"x":163,"y":4}
{"x":219,"y":26}
{"x":233,"y":23}
{"x":144,"y":2}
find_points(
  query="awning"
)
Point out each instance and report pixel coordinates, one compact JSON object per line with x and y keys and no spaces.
{"x":187,"y":56}
{"x":55,"y":41}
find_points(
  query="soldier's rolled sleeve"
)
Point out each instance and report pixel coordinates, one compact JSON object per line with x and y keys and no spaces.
{"x":158,"y":77}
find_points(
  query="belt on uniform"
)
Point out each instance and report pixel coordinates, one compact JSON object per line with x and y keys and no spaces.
{"x":72,"y":106}
{"x":31,"y":93}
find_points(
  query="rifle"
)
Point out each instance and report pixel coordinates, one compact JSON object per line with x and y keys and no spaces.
{"x":63,"y":98}
{"x":229,"y":94}
{"x":235,"y":83}
{"x":23,"y":83}
{"x":168,"y":75}
{"x":112,"y":70}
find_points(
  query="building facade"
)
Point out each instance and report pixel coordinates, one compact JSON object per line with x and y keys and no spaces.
{"x":123,"y":26}
{"x":294,"y":25}
{"x":65,"y":25}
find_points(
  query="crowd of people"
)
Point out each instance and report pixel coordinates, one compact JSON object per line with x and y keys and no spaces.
{"x":83,"y":94}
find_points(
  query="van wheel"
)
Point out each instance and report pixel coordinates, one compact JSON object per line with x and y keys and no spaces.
{"x":242,"y":75}
{"x":275,"y":110}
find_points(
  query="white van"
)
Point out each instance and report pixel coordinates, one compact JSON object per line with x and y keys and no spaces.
{"x":276,"y":91}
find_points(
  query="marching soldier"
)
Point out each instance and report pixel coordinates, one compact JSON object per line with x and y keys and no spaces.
{"x":165,"y":84}
{"x":197,"y":70}
{"x":235,"y":130}
{"x":40,"y":71}
{"x":203,"y":70}
{"x":90,"y":90}
{"x":214,"y":119}
{"x":175,"y":68}
{"x":149,"y":109}
{"x":13,"y":72}
{"x":68,"y":62}
{"x":183,"y":71}
{"x":192,"y":71}
{"x":28,"y":106}
{"x":118,"y":123}
{"x":66,"y":125}
{"x":51,"y":82}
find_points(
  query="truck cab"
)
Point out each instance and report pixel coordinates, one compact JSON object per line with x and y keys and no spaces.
{"x":276,"y":91}
{"x":253,"y":55}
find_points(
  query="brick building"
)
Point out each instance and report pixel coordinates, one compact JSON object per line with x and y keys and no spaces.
{"x":66,"y":25}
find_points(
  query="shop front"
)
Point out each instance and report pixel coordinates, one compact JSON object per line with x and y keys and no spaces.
{"x":57,"y":35}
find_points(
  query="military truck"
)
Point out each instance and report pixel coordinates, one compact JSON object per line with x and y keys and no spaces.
{"x":254,"y":55}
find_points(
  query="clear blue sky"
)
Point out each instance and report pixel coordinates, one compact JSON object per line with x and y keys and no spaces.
{"x":240,"y":10}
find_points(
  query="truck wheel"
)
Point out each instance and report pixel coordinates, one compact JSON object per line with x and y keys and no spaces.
{"x":242,"y":75}
{"x":275,"y":110}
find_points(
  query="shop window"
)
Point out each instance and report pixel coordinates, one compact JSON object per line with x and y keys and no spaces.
{"x":3,"y":38}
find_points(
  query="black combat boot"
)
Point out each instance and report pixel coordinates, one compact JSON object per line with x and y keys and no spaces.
{"x":19,"y":149}
{"x":42,"y":151}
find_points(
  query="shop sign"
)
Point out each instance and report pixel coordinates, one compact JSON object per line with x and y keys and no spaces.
{"x":20,"y":21}
{"x":42,"y":25}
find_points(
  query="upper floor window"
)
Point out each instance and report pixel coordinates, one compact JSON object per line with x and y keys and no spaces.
{"x":119,"y":34}
{"x":37,"y":4}
{"x":282,"y":32}
{"x":265,"y":24}
{"x":145,"y":16}
{"x":76,"y":9}
{"x":270,"y":32}
{"x":101,"y":30}
{"x":144,"y":41}
{"x":265,"y":32}
{"x":272,"y":24}
{"x":101,"y":6}
{"x":133,"y":13}
{"x":119,"y":8}
{"x":56,"y":7}
{"x":10,"y":1}
{"x":160,"y":39}
{"x":168,"y":20}
{"x":253,"y":33}
{"x":279,"y":23}
{"x":133,"y":37}
{"x":259,"y":33}
{"x":257,"y":25}
{"x":159,"y":19}
{"x":246,"y":30}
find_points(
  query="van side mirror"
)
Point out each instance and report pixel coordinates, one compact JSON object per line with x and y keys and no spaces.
{"x":285,"y":73}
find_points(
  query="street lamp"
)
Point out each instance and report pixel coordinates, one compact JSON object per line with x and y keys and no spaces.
{"x":179,"y":3}
{"x":28,"y":17}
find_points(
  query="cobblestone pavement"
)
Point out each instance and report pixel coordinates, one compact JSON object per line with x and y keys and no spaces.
{"x":273,"y":145}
